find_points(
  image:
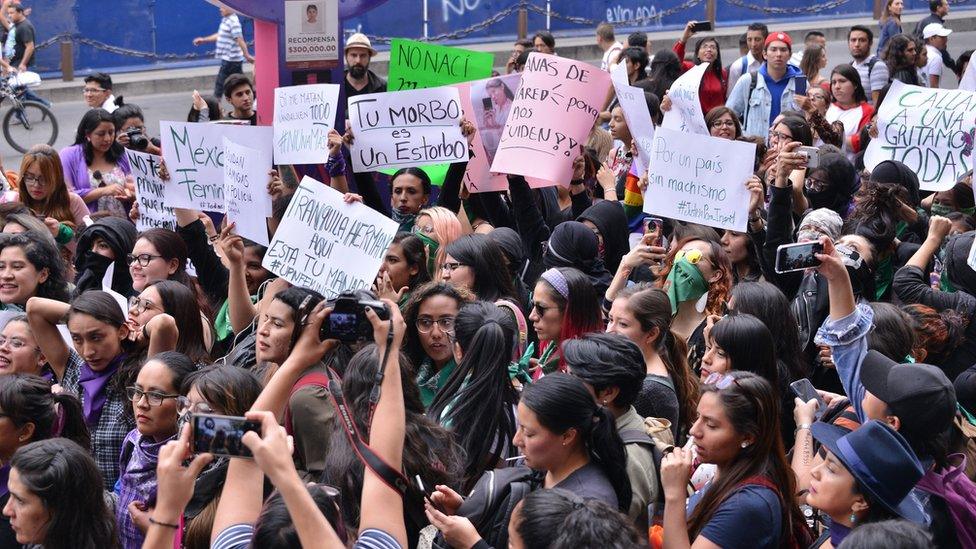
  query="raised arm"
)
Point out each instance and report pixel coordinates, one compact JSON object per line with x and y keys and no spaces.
{"x":44,"y":315}
{"x":241,"y":310}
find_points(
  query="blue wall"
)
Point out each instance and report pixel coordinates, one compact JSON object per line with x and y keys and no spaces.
{"x":159,"y":32}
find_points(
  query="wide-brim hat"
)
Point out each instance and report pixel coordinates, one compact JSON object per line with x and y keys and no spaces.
{"x":360,"y":40}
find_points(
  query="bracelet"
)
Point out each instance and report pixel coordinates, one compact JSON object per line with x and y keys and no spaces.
{"x":800,"y":427}
{"x":166,"y":524}
{"x":336,"y":165}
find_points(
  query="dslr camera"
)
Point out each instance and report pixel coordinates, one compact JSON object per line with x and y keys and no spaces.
{"x":348,"y":322}
{"x":137,"y":141}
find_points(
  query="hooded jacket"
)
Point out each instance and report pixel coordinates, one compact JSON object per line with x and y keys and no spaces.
{"x":572,"y":244}
{"x":611,"y":221}
{"x":842,"y":182}
{"x":120,"y":234}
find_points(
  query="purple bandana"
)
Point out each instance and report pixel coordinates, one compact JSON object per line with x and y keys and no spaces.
{"x":93,"y":389}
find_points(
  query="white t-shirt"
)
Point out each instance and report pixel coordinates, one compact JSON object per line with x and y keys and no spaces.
{"x":934,"y":66}
{"x":614,"y":50}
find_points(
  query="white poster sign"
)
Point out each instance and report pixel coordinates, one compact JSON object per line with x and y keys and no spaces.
{"x":686,"y":112}
{"x":638,"y":117}
{"x":153,"y":210}
{"x":245,"y":190}
{"x":303,"y":116}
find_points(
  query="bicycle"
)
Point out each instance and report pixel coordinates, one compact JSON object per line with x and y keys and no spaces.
{"x":27,"y":122}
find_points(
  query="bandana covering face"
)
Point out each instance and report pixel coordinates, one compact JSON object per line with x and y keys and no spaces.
{"x":431,"y":246}
{"x":685,"y":283}
{"x":406,"y":221}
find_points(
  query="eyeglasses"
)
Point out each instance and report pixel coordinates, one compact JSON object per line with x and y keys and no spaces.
{"x":426,"y":229}
{"x":452,"y":266}
{"x":15,"y":343}
{"x":155,"y":398}
{"x":184,"y":405}
{"x":91,"y":91}
{"x":139,"y":305}
{"x":33,"y":180}
{"x":446,"y":324}
{"x":142,"y":259}
{"x":722,"y":381}
{"x":779,"y":136}
{"x":723,"y":124}
{"x":814,"y":184}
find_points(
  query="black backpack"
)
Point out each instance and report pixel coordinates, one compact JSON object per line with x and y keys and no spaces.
{"x":489,"y":506}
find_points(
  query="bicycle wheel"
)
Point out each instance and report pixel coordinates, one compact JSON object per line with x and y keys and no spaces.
{"x":30,"y":125}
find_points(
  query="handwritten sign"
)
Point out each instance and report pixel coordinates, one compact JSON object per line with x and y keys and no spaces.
{"x":153,"y":210}
{"x":407,"y":128}
{"x":927,"y":129}
{"x":636,"y":114}
{"x":686,"y":112}
{"x":477,"y":176}
{"x":303,"y":116}
{"x":416,"y":65}
{"x":700,"y":179}
{"x":552,"y":114}
{"x":245,"y":180}
{"x":327,"y":245}
{"x":194,"y":155}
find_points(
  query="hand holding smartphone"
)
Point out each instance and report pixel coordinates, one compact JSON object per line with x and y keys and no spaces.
{"x":221,"y":435}
{"x":798,"y":257}
{"x":807,"y":392}
{"x":702,"y":26}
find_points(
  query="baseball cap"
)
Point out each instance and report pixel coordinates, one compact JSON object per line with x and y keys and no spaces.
{"x":360,"y":40}
{"x":919,"y":394}
{"x":780,"y":37}
{"x":935,"y":29}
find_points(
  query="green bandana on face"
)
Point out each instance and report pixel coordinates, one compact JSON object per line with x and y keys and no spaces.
{"x":940,"y":209}
{"x":430,"y":245}
{"x":685,"y":283}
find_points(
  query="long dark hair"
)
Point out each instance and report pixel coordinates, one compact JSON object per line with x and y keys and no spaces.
{"x":415,"y":256}
{"x":171,"y":246}
{"x":558,"y":518}
{"x":412,"y":346}
{"x":665,"y":69}
{"x":42,"y":254}
{"x":753,"y":409}
{"x":749,"y":345}
{"x":652,"y":309}
{"x":716,"y":66}
{"x":26,"y":398}
{"x":894,"y":54}
{"x":180,"y":302}
{"x":491,"y":281}
{"x":561,"y":402}
{"x":769,"y":304}
{"x":850,"y":73}
{"x":89,"y":123}
{"x":477,"y":402}
{"x":64,"y":476}
{"x":581,"y":310}
{"x":892,"y":334}
{"x":607,"y":360}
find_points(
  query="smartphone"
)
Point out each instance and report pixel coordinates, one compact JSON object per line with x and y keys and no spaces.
{"x":800,"y":85}
{"x":702,"y":26}
{"x":221,"y":435}
{"x":806,"y":391}
{"x":812,"y":154}
{"x":486,"y":103}
{"x":653,"y":224}
{"x":797,"y":257}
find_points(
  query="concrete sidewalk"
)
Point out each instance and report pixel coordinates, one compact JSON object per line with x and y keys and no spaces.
{"x":583,"y":48}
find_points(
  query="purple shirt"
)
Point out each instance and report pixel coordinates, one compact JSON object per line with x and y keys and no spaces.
{"x":76,"y":171}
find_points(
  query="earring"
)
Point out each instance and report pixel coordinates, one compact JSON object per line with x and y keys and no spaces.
{"x":744,"y":444}
{"x":853,"y":518}
{"x":702,"y":301}
{"x":604,"y":402}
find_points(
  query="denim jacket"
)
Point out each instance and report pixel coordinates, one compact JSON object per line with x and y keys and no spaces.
{"x":759,"y":104}
{"x":848,"y":341}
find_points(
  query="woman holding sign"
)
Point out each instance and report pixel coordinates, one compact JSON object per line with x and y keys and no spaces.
{"x":850,"y":107}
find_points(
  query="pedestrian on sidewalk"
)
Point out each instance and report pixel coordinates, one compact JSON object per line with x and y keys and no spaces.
{"x":231,"y":48}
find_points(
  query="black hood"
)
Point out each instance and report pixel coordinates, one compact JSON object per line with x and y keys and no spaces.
{"x":120,"y":234}
{"x":961,"y":275}
{"x":611,"y":221}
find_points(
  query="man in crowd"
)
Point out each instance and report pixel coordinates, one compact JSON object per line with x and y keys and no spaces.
{"x":938,"y":9}
{"x":758,"y":99}
{"x":750,"y":62}
{"x":239,"y":92}
{"x":521,"y":46}
{"x":18,"y":48}
{"x":231,"y":48}
{"x":608,"y":44}
{"x":359,"y":79}
{"x":813,"y":38}
{"x":873,"y":71}
{"x":98,"y":92}
{"x":936,"y":39}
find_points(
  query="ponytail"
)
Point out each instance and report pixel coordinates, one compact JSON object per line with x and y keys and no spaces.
{"x":606,"y":449}
{"x":27,"y":398}
{"x":70,"y":420}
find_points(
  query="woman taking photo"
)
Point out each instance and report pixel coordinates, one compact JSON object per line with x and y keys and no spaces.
{"x":737,"y":430}
{"x":565,"y":305}
{"x":30,"y":266}
{"x":478,"y":400}
{"x":96,"y":167}
{"x":715,"y":82}
{"x":430,"y":316}
{"x":56,"y":498}
{"x":474,"y":263}
{"x":850,"y":106}
{"x":642,"y":313}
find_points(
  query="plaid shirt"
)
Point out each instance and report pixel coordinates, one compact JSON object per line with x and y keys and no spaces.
{"x":227,"y":35}
{"x":113,"y":425}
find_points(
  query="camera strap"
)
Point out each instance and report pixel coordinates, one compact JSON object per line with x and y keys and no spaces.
{"x":374,"y":394}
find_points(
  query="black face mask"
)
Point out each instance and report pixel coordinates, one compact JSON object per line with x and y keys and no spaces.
{"x":94,"y":260}
{"x":862,"y":281}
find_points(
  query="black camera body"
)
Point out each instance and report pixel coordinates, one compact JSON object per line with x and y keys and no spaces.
{"x":137,"y":140}
{"x":348,"y":322}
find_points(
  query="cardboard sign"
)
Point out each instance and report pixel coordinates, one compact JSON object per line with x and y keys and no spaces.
{"x":407,"y":128}
{"x":552,"y":115}
{"x":686,"y":112}
{"x":311,"y":34}
{"x":194,"y":155}
{"x":245,"y":181}
{"x":415,"y":65}
{"x":303,"y":116}
{"x":700,"y":179}
{"x":327,"y":245}
{"x":153,"y":210}
{"x":636,"y":114}
{"x":930,"y":130}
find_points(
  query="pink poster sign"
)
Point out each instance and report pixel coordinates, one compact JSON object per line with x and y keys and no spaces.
{"x":478,"y":177}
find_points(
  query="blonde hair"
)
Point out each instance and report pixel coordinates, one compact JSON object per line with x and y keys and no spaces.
{"x":447,"y":229}
{"x":57,"y":204}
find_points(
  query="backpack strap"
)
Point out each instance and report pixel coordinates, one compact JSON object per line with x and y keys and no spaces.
{"x":635,"y":436}
{"x":317,"y":379}
{"x":753,"y":82}
{"x":523,"y":326}
{"x":745,"y":63}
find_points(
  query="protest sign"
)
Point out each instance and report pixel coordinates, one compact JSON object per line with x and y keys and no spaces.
{"x":552,"y":115}
{"x":406,"y":128}
{"x":303,"y":116}
{"x":491,"y":102}
{"x":930,"y":130}
{"x":416,"y":65}
{"x":477,"y":176}
{"x":245,"y":182}
{"x":194,"y":155}
{"x":968,"y":81}
{"x":327,"y":245}
{"x":686,"y":112}
{"x":636,"y":114}
{"x":700,"y":179}
{"x":153,"y":210}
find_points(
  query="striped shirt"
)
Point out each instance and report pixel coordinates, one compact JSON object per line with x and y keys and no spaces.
{"x":227,"y":35}
{"x":239,"y":536}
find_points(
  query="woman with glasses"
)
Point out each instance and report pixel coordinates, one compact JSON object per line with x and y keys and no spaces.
{"x":789,"y":127}
{"x":831,"y":184}
{"x":723,"y":122}
{"x":565,"y":305}
{"x":168,"y":298}
{"x":96,"y":167}
{"x":160,"y":254}
{"x":42,"y":188}
{"x":154,"y":398}
{"x":437,"y":227}
{"x":19,"y":352}
{"x":30,"y":411}
{"x":475,"y":263}
{"x":94,"y":369}
{"x":850,"y":107}
{"x":751,"y":501}
{"x":430,"y":317}
{"x":30,"y":266}
{"x":715,"y":81}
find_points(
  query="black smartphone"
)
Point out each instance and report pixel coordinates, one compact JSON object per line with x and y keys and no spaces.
{"x":486,"y":103}
{"x":806,"y":391}
{"x":221,"y":435}
{"x":800,"y":85}
{"x":797,"y":257}
{"x":702,"y":26}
